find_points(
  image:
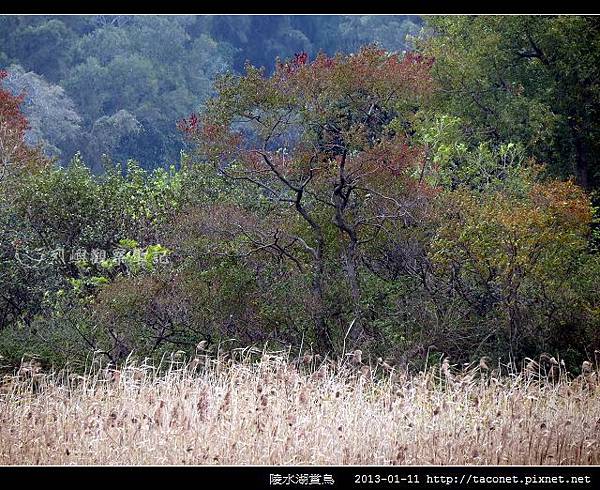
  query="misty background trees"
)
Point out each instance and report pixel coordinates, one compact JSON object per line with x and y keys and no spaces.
{"x":118,"y":84}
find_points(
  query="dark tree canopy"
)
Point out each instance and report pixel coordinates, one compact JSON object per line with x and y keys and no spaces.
{"x":528,"y":79}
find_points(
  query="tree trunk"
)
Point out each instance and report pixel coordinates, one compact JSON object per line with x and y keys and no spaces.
{"x":323,"y":336}
{"x":353,"y":282}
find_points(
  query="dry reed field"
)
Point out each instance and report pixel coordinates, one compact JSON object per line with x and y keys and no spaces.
{"x":276,"y":412}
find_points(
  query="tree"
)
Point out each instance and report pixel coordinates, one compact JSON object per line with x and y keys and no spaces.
{"x":107,"y":134}
{"x":516,"y":257}
{"x":65,"y":233}
{"x":389,"y":32}
{"x":39,"y":43}
{"x":15,"y":155}
{"x":18,"y":161}
{"x":150,"y":68}
{"x":53,"y":121}
{"x":527,"y":79}
{"x":328,"y":143}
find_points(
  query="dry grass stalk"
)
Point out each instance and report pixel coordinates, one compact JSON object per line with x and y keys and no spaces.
{"x":273,"y":412}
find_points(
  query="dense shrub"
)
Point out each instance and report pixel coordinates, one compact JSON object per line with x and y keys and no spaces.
{"x":327,"y":206}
